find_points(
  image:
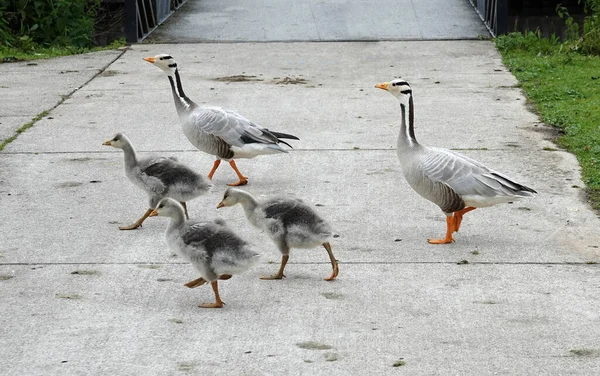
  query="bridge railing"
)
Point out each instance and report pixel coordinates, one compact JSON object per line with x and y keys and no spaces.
{"x":143,"y":16}
{"x":494,"y":14}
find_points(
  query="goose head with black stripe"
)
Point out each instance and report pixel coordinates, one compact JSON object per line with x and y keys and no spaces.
{"x":217,"y":131}
{"x":454,"y":182}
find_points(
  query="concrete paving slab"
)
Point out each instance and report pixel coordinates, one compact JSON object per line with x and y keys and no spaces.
{"x":316,"y":20}
{"x":525,"y":303}
{"x":439,"y":319}
{"x":8,"y":125}
{"x":31,"y":87}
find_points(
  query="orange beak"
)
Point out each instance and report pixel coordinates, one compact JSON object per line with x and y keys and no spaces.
{"x":153,"y":214}
{"x":149,"y":59}
{"x":383,"y":86}
{"x":221,"y":204}
{"x":107,"y":143}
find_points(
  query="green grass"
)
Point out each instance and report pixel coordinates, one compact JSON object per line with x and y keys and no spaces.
{"x":564,"y":88}
{"x":10,"y":54}
{"x":23,"y":129}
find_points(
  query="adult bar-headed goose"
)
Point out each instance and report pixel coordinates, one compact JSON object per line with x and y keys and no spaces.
{"x":289,"y":222}
{"x":211,"y":247}
{"x":217,"y":131}
{"x":457,"y":184}
{"x":159,"y":177}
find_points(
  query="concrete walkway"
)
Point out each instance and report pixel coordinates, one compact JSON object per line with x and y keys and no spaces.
{"x":516,"y":294}
{"x":319,"y":20}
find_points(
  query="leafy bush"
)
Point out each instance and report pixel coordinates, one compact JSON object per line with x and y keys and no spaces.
{"x":587,"y":41}
{"x":26,"y":23}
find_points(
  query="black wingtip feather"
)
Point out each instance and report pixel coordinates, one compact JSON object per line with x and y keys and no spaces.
{"x":284,"y":135}
{"x":517,"y":186}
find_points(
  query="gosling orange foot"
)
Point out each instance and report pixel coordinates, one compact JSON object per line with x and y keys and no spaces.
{"x":212,"y":305}
{"x":218,"y":302}
{"x":271,"y":277}
{"x":131,"y":227}
{"x":243,"y":181}
{"x":195,"y":283}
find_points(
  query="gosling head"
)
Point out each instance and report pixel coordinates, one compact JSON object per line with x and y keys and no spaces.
{"x":118,"y":141}
{"x":398,"y":87}
{"x":164,"y":62}
{"x":167,"y":207}
{"x":231,"y":197}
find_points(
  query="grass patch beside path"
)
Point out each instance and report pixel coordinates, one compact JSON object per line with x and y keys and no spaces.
{"x":11,"y":54}
{"x":564,"y":87}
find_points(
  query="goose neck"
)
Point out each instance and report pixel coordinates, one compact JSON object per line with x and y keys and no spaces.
{"x":130,"y":157}
{"x":406,"y":138}
{"x":182,"y":102}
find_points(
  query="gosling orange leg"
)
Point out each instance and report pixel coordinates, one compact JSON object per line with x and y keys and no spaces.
{"x":279,"y":275}
{"x":138,"y":223}
{"x":450,"y":225}
{"x":214,"y":168}
{"x":334,"y":262}
{"x":458,"y":216}
{"x":218,"y":303}
{"x":243,"y":180}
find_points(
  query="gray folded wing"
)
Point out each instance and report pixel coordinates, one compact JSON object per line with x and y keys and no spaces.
{"x":466,"y":176}
{"x":232,"y":127}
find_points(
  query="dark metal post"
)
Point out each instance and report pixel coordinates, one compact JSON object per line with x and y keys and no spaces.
{"x":131,"y":26}
{"x":501,"y":17}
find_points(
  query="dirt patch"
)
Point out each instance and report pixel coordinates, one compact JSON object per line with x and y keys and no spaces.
{"x":68,"y":184}
{"x":6,"y":277}
{"x":108,"y":73}
{"x":290,"y":81}
{"x":332,"y":295}
{"x":85,"y":272}
{"x":237,"y":78}
{"x":312,"y":345}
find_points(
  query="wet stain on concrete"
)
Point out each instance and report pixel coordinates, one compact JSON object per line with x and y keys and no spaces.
{"x":237,"y":78}
{"x":312,"y":345}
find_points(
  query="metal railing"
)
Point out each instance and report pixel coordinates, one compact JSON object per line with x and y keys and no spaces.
{"x":143,"y":16}
{"x":494,"y":14}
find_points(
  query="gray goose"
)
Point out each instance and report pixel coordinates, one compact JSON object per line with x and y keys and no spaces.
{"x":215,"y":251}
{"x":217,"y":131}
{"x":159,"y":177}
{"x":289,"y":222}
{"x":454,"y":182}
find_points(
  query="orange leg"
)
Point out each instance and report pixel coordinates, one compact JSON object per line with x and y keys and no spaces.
{"x":218,"y":303}
{"x":458,"y":216}
{"x":243,"y":179}
{"x":450,"y":226}
{"x":334,"y":263}
{"x":215,"y":166}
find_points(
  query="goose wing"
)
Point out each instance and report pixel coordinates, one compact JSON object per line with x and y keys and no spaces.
{"x":232,"y":127}
{"x":466,"y":176}
{"x":151,"y":170}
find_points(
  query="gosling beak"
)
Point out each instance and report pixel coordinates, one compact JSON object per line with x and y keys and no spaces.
{"x":221,"y":204}
{"x":383,"y":86}
{"x":107,"y":143}
{"x":153,"y":214}
{"x":149,"y":59}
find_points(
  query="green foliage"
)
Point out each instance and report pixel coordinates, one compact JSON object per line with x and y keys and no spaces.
{"x":26,"y":24}
{"x":588,"y":41}
{"x":565,"y":88}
